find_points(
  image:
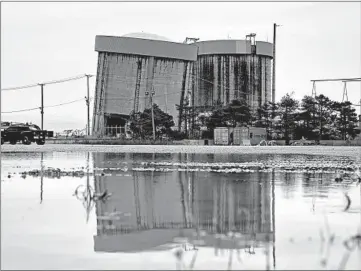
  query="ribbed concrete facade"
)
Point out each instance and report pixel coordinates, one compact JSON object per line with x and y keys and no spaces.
{"x":130,"y":69}
{"x":229,"y":77}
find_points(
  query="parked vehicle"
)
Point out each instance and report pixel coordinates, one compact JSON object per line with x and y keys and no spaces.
{"x":5,"y":125}
{"x":25,"y":133}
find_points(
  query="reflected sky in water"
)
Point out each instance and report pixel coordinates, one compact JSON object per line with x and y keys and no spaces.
{"x":137,"y":211}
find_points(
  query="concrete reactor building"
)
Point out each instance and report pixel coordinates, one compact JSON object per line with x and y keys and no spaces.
{"x":137,"y":69}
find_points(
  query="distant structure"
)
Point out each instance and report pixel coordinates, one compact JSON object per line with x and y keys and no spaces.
{"x":195,"y":74}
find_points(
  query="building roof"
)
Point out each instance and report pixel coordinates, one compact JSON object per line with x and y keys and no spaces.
{"x":147,"y":36}
{"x":133,"y":44}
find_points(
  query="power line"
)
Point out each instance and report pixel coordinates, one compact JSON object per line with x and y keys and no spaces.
{"x":22,"y":110}
{"x":128,"y":79}
{"x":22,"y":87}
{"x":46,"y":83}
{"x":66,"y":103}
{"x":131,"y":99}
{"x":131,"y":79}
{"x":123,"y":77}
{"x":37,"y":108}
{"x":65,"y":80}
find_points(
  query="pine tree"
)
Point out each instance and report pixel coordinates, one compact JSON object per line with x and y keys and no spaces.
{"x":141,"y":123}
{"x":346,"y":120}
{"x":287,"y":109}
{"x":323,"y":118}
{"x":307,"y":118}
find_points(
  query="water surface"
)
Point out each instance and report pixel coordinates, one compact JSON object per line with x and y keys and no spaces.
{"x":236,"y":211}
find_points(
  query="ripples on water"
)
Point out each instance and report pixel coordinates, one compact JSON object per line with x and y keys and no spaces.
{"x":149,"y":211}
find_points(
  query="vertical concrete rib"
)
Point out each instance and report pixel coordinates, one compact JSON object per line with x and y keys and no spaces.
{"x":181,"y":102}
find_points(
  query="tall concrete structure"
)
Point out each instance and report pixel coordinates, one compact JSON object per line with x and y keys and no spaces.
{"x":233,"y":69}
{"x":133,"y":67}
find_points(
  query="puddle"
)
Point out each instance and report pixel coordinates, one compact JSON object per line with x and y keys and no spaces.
{"x":148,"y":211}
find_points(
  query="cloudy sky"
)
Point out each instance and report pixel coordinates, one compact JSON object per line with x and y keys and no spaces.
{"x":47,"y":41}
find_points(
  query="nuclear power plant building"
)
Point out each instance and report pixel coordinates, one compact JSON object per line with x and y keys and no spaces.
{"x":135,"y":68}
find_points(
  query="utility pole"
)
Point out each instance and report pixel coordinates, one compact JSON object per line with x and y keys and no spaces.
{"x":274,"y":64}
{"x":320,"y":134}
{"x":88,"y":103}
{"x":344,"y":91}
{"x":314,"y":89}
{"x":42,"y":106}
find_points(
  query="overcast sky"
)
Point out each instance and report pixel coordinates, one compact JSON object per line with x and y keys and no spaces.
{"x":48,"y":41}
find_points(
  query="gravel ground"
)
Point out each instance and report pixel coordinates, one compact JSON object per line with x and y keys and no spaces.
{"x":315,"y":150}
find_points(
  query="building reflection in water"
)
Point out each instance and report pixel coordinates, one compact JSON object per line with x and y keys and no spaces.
{"x":148,"y":209}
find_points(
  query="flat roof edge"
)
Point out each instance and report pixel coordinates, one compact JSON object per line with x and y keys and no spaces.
{"x":146,"y":47}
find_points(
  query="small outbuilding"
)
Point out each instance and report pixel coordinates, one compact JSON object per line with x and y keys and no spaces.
{"x":239,"y":135}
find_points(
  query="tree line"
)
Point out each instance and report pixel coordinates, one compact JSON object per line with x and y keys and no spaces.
{"x":312,"y":118}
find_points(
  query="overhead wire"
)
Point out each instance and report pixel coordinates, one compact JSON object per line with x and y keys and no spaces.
{"x":124,"y":80}
{"x":46,"y":83}
{"x":22,"y":110}
{"x":49,"y":106}
{"x":65,"y":80}
{"x":124,"y":77}
{"x":21,"y":87}
{"x":213,"y":83}
{"x":74,"y":101}
{"x":131,"y":99}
